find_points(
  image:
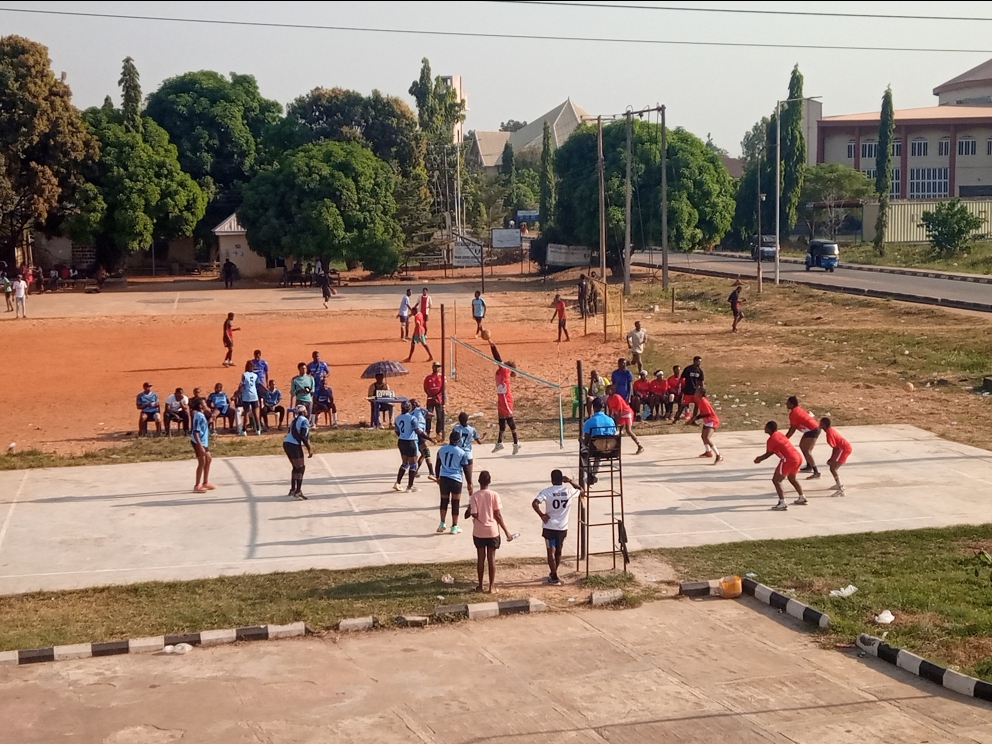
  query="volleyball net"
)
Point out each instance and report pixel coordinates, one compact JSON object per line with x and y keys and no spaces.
{"x":471,"y":387}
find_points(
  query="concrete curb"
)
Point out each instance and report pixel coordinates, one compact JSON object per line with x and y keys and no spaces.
{"x":790,"y":606}
{"x":150,"y":645}
{"x":480,"y":610}
{"x":951,"y":680}
{"x":606,"y":597}
{"x":709,"y":588}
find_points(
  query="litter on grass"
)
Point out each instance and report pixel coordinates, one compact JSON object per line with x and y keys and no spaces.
{"x":847,"y":591}
{"x":884,"y":617}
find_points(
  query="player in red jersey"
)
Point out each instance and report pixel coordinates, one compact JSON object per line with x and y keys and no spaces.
{"x":674,"y":392}
{"x":623,"y":414}
{"x":804,"y":421}
{"x":840,"y":450}
{"x":710,"y":422}
{"x":640,"y":399}
{"x":504,"y":399}
{"x":788,"y":465}
{"x":659,"y":395}
{"x":560,"y":315}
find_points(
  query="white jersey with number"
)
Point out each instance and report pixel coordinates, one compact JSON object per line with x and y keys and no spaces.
{"x":557,"y":502}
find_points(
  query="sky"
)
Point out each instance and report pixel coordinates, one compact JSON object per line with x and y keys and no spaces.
{"x":713,"y":90}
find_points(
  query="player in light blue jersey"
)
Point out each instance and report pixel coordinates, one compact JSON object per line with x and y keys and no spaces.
{"x":466,"y":436}
{"x":199,"y":437}
{"x":452,"y":463}
{"x":422,"y":420}
{"x":405,"y":426}
{"x":478,"y":311}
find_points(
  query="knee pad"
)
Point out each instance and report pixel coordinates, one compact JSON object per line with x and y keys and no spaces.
{"x":412,"y":467}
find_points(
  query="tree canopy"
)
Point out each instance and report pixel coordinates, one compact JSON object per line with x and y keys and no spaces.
{"x":826,"y":184}
{"x":883,"y":169}
{"x":43,"y":141}
{"x":330,"y":199}
{"x":950,"y":227}
{"x":793,"y":151}
{"x":511,"y":125}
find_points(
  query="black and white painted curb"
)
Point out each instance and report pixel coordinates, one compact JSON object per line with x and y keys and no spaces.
{"x":479,"y":610}
{"x":787,"y":604}
{"x":954,"y":681}
{"x":150,"y":645}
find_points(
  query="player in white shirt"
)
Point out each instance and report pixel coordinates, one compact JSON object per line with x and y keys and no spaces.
{"x":557,"y":499}
{"x":406,"y":307}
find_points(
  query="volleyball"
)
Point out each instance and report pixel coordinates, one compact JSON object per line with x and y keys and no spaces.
{"x":485,"y":335}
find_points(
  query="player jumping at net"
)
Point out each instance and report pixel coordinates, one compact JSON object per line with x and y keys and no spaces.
{"x":406,"y":432}
{"x":789,"y":461}
{"x":504,"y":399}
{"x":710,"y":422}
{"x":840,"y":450}
{"x":451,"y":465}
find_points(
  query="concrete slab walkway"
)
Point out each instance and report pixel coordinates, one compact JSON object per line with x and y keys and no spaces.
{"x":75,"y":527}
{"x":673,"y":670}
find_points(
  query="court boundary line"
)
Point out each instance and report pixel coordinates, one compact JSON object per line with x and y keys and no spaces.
{"x":10,"y":511}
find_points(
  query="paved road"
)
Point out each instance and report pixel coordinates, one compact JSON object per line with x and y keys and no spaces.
{"x":672,"y":670}
{"x":930,"y":290}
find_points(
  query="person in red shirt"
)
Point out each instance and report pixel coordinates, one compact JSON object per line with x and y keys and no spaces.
{"x":710,"y":422}
{"x":659,"y":395}
{"x":560,"y":315}
{"x":504,"y":399}
{"x":623,"y":414}
{"x":840,"y":450}
{"x":788,"y":465}
{"x":804,"y":421}
{"x":674,"y":401}
{"x":641,"y":397}
{"x":419,"y":337}
{"x":434,"y":388}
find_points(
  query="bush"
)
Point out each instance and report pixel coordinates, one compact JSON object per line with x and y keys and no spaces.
{"x":381,"y":258}
{"x":949,"y":227}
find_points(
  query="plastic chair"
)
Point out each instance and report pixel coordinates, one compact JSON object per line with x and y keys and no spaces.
{"x":578,"y":399}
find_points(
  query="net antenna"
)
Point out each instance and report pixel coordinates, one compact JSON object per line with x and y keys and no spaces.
{"x":457,"y":344}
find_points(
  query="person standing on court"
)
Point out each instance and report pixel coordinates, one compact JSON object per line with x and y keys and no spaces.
{"x":485,"y":508}
{"x":692,"y":378}
{"x":199,"y":437}
{"x":636,"y":340}
{"x":478,"y":311}
{"x":229,"y":330}
{"x":583,"y":286}
{"x":434,"y":388}
{"x":301,"y":390}
{"x":557,"y":499}
{"x":293,"y":443}
{"x":561,"y":316}
{"x":20,"y":297}
{"x":406,"y":306}
{"x":426,"y":303}
{"x":248,"y":392}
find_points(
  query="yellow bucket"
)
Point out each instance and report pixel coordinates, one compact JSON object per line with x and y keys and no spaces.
{"x":730,"y":587}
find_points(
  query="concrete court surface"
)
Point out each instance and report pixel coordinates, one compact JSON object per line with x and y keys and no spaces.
{"x":75,"y":527}
{"x":672,"y":670}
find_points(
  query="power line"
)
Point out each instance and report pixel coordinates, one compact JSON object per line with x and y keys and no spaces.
{"x":742,"y":11}
{"x":480,"y":35}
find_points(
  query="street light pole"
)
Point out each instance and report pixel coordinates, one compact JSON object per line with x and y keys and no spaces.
{"x":626,"y":240}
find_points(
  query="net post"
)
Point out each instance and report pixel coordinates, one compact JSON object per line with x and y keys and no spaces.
{"x":580,"y":537}
{"x":673,"y":300}
{"x":444,"y":359}
{"x":606,"y":310}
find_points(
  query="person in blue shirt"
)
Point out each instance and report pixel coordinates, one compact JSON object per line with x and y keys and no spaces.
{"x":405,"y":426}
{"x":623,"y":380}
{"x":199,"y":436}
{"x":478,"y":312}
{"x":220,"y":406}
{"x":600,"y":424}
{"x":293,"y":443}
{"x":270,"y":404}
{"x":148,"y":410}
{"x":451,"y":464}
{"x":261,"y":368}
{"x":466,"y":436}
{"x":318,"y":369}
{"x":422,"y":419}
{"x":248,"y":390}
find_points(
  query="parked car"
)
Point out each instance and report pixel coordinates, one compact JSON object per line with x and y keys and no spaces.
{"x":822,"y":254}
{"x":767,"y":248}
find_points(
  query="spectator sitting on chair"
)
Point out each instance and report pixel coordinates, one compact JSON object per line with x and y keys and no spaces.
{"x":177,"y":409}
{"x":323,"y":403}
{"x":220,"y":407}
{"x":271,"y":397}
{"x":596,"y":391}
{"x":196,"y":397}
{"x":600,"y":424}
{"x":148,"y":410}
{"x":640,"y":400}
{"x":377,"y":407}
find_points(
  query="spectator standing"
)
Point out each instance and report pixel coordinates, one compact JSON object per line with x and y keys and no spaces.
{"x":177,"y":409}
{"x":623,"y":380}
{"x":227,"y":271}
{"x":199,"y":437}
{"x":301,"y":390}
{"x":260,"y":367}
{"x":248,"y":391}
{"x":636,"y":341}
{"x":406,"y":306}
{"x":583,"y":286}
{"x":478,"y":311}
{"x":229,"y":330}
{"x":692,"y":378}
{"x":318,"y":369}
{"x":148,"y":410}
{"x":485,"y":508}
{"x":20,"y":297}
{"x":426,"y":303}
{"x":557,"y":499}
{"x":434,"y":388}
{"x":8,"y":291}
{"x":560,"y":314}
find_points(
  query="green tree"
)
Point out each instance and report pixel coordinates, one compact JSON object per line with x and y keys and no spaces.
{"x":130,"y":85}
{"x":217,"y":125}
{"x":331,"y":199}
{"x":486,"y":197}
{"x":950,"y":227}
{"x":753,"y":144}
{"x":828,"y":184}
{"x":883,"y":169}
{"x":546,"y":185}
{"x":700,"y":190}
{"x":511,"y":125}
{"x":506,"y":162}
{"x":43,"y":142}
{"x":793,"y":152}
{"x":715,"y":147}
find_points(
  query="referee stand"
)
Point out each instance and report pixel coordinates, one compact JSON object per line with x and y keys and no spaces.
{"x":601,"y":506}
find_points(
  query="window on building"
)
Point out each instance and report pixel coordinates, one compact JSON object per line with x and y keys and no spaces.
{"x":275,"y":263}
{"x":927,"y":183}
{"x":851,"y":144}
{"x":896,"y":190}
{"x":869,"y":149}
{"x":967,"y":146}
{"x":870,"y":173}
{"x":943,"y":146}
{"x":918,"y":148}
{"x":896,"y":147}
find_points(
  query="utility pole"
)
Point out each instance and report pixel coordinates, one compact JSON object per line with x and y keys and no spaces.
{"x":664,"y":202}
{"x":601,"y":164}
{"x":626,"y":239}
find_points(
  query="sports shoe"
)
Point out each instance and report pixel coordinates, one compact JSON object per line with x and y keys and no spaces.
{"x":805,"y":469}
{"x":209,"y":486}
{"x":498,"y":447}
{"x":432,"y":478}
{"x":554,"y":581}
{"x":516,"y":448}
{"x":397,"y":487}
{"x":836,"y":487}
{"x":242,"y":433}
{"x":780,"y":506}
{"x":707,"y":454}
{"x":593,"y":480}
{"x":640,"y":449}
{"x":299,"y":495}
{"x":814,"y":476}
{"x":412,"y":489}
{"x":455,"y":529}
{"x":839,"y":492}
{"x":199,"y":489}
{"x":442,"y":527}
{"x":292,"y":492}
{"x":719,"y":458}
{"x":801,"y":501}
